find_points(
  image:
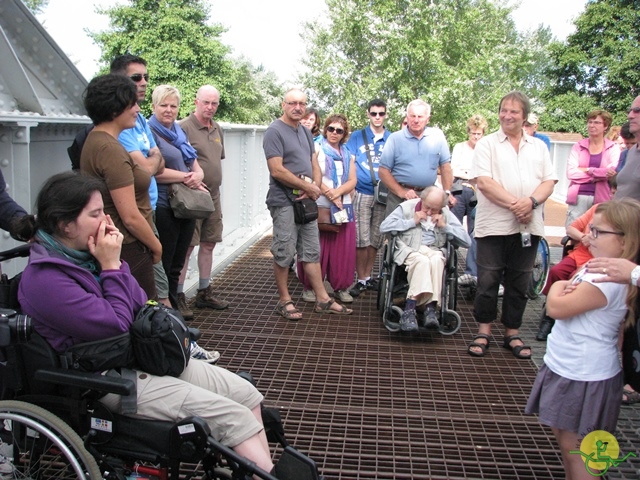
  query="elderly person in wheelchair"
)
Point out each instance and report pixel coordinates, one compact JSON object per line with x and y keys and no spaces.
{"x":77,"y":289}
{"x":423,"y":225}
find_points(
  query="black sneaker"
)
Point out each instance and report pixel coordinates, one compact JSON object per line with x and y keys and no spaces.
{"x":372,"y":284}
{"x":431,"y":318}
{"x":408,"y":322}
{"x":357,"y":289}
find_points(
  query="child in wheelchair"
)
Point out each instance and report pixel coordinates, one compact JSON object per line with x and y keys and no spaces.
{"x":76,"y":289}
{"x":423,"y":225}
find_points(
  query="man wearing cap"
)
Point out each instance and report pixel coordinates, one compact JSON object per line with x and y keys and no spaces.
{"x":531,"y":127}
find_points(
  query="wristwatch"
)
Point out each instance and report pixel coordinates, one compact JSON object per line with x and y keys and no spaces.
{"x":635,"y":276}
{"x":534,"y":202}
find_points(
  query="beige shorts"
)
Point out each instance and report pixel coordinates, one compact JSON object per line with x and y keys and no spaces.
{"x":209,"y":230}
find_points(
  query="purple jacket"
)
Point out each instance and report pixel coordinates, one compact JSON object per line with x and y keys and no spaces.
{"x":579,"y":158}
{"x":69,"y":306}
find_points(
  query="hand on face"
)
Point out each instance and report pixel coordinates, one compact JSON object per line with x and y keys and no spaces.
{"x":106,"y":245}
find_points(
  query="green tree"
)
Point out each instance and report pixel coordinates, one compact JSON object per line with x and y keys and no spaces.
{"x":461,"y":56}
{"x":182,"y":49}
{"x":36,"y":6}
{"x":599,"y":63}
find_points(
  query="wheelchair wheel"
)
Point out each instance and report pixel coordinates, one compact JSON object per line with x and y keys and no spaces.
{"x":42,"y":446}
{"x":449,"y":323}
{"x":391,"y":318}
{"x":540,"y":270}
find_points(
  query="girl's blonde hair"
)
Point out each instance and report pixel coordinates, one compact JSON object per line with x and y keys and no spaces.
{"x":624,"y":216}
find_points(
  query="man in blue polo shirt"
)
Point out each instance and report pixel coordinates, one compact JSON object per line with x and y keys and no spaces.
{"x":412,"y":156}
{"x":367,"y":145}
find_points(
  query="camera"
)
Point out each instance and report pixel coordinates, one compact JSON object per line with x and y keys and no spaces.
{"x":14,"y":327}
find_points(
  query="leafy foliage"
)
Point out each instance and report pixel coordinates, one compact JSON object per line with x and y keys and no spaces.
{"x":461,"y":56}
{"x":598,"y":64}
{"x":183,"y":50}
{"x":36,"y":6}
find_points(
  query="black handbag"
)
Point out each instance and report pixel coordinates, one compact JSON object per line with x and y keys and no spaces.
{"x":305,"y":210}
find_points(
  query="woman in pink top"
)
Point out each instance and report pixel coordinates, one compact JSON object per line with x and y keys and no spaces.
{"x":591,"y":162}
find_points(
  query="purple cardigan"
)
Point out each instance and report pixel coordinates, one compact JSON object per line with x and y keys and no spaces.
{"x":69,"y":306}
{"x":579,"y":158}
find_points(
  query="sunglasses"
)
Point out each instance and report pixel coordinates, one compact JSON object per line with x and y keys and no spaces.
{"x":377,"y":114}
{"x":339,"y":131}
{"x":635,"y":110}
{"x":136,"y":77}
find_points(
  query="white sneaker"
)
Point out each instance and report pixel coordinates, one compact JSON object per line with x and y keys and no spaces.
{"x":199,"y":353}
{"x":501,"y":291}
{"x":309,"y":296}
{"x":344,"y":296}
{"x":467,"y":279}
{"x":6,"y":467}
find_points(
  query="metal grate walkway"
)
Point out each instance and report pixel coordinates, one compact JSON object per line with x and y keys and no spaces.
{"x":368,"y":404}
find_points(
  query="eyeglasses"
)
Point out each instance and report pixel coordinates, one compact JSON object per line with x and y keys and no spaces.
{"x":377,"y":114}
{"x":136,"y":77}
{"x":635,"y":110}
{"x":299,"y":104}
{"x":331,"y":129}
{"x":595,"y":231}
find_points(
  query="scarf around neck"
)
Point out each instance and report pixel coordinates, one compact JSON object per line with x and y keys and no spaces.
{"x":176,"y":137}
{"x":331,"y":155}
{"x":77,"y":257}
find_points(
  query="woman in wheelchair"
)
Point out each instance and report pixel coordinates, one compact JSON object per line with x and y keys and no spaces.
{"x":77,"y":289}
{"x":425,"y":223}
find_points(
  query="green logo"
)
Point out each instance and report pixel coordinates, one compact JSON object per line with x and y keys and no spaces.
{"x":600,"y":451}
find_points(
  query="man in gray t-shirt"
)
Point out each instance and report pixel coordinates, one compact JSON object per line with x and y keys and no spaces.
{"x":294,"y":174}
{"x":629,"y":177}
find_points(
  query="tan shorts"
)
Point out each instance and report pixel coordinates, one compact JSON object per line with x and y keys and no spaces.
{"x":209,"y":229}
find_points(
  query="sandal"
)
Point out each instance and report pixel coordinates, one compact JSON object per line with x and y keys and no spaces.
{"x":517,"y":349}
{"x":629,"y":397}
{"x":325,"y":307}
{"x":292,"y":315}
{"x":482,"y":346}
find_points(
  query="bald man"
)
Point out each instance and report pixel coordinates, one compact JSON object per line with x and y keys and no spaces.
{"x":206,"y":136}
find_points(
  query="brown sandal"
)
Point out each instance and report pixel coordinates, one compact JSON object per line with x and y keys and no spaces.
{"x":292,"y":315}
{"x":325,"y":307}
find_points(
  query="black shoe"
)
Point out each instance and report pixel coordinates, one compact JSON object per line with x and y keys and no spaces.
{"x":546,"y":324}
{"x":408,"y":321}
{"x":357,"y":289}
{"x":431,"y":318}
{"x":372,"y":284}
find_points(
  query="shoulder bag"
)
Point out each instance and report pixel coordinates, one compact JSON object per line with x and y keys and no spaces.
{"x":189,"y":202}
{"x":380,"y":191}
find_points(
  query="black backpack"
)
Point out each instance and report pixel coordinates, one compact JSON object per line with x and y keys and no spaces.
{"x":161,"y":340}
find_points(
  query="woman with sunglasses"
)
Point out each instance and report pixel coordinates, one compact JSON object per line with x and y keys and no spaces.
{"x":591,"y":162}
{"x":577,"y":390}
{"x":112,"y":104}
{"x":337,"y":250}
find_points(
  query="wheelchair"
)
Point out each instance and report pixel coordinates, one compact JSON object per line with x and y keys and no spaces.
{"x":393,"y":286}
{"x":52,"y":425}
{"x":541,"y":266}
